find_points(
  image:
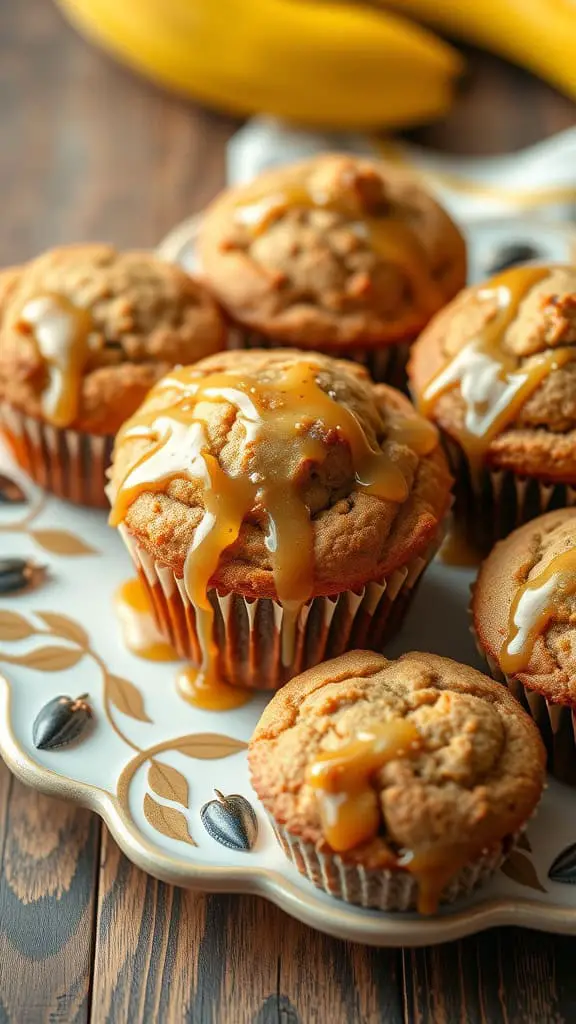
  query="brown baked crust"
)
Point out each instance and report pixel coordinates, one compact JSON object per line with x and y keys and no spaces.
{"x":148,"y":315}
{"x":542,"y":440}
{"x":521,"y":556}
{"x":478,"y":777}
{"x":357,"y":537}
{"x":311,"y":279}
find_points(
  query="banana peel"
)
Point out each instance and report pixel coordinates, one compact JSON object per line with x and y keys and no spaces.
{"x":316,"y":63}
{"x":539,"y":35}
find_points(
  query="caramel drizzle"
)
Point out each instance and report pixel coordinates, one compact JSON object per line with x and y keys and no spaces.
{"x":348,"y":804}
{"x":279,"y":422}
{"x":534,"y":606}
{"x":350,"y":812}
{"x":61,"y":332}
{"x":136,"y":618}
{"x":392,"y":239}
{"x":494,"y":387}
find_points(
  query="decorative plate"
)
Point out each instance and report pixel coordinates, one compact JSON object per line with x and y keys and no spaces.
{"x":82,"y":718}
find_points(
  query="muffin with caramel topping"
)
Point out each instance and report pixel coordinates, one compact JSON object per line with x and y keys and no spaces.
{"x":496,"y":372}
{"x":396,"y":784}
{"x":85,"y":331}
{"x":524,"y":618}
{"x":279,"y":506}
{"x":341,"y":254}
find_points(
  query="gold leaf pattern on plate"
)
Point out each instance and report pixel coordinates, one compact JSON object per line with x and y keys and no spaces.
{"x":61,"y":542}
{"x":64,"y":626}
{"x":523,"y":843}
{"x":126,"y":697}
{"x":209,"y":746}
{"x":167,"y":782}
{"x":14,"y":626}
{"x":167,"y":820}
{"x":521,"y":869}
{"x":49,"y":659}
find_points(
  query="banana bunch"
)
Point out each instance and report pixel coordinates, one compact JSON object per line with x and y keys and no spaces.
{"x":327,"y":62}
{"x":311,"y":61}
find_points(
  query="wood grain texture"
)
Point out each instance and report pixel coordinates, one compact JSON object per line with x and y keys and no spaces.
{"x":91,"y":152}
{"x":169,"y":954}
{"x":47,"y":904}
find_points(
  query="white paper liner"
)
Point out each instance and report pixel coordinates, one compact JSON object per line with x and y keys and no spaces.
{"x":501,"y":500}
{"x":556,"y":722}
{"x":386,"y":364}
{"x":68,"y":463}
{"x":261,"y":646}
{"x":383,"y":889}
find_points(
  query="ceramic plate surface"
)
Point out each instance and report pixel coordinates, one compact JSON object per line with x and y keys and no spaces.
{"x":150,"y":762}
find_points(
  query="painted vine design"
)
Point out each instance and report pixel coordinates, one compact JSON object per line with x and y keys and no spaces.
{"x":163,"y":780}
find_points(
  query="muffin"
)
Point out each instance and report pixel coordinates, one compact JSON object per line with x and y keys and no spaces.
{"x":496,"y":372}
{"x":280,"y":508}
{"x":341,"y":254}
{"x":85,"y":331}
{"x":395,"y":784}
{"x":524,"y":619}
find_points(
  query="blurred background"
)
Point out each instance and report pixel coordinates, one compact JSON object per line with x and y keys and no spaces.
{"x":92,"y":149}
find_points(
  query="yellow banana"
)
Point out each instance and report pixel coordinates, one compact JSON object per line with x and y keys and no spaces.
{"x":538,"y":34}
{"x":318,"y":62}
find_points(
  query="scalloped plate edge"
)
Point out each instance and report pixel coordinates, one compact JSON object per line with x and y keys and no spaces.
{"x":338,"y":920}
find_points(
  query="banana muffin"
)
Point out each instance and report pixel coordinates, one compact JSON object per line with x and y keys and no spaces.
{"x":395,"y":784}
{"x":341,"y":254}
{"x":280,"y":508}
{"x":524,"y":618}
{"x":496,"y":372}
{"x":85,"y":331}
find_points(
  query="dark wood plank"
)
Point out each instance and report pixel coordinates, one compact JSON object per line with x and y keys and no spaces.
{"x":509,"y":976}
{"x":47,"y":903}
{"x":168,"y":954}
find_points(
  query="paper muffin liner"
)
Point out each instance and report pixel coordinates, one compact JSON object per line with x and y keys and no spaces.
{"x":384,"y":889}
{"x":493,"y":506}
{"x":68,"y":463}
{"x":555,"y":721}
{"x":260,"y":646}
{"x":386,"y":364}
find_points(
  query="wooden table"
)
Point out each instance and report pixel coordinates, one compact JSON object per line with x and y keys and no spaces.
{"x":88,"y":152}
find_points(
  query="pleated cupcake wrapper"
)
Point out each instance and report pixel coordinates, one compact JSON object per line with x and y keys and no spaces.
{"x":386,"y":364}
{"x":383,"y":889}
{"x":500,"y":500}
{"x":68,"y":463}
{"x":555,"y":721}
{"x":260,"y":647}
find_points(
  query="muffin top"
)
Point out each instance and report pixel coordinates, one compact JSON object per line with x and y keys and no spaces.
{"x":458,"y":764}
{"x":496,"y":370}
{"x":524,"y":605}
{"x":85,"y":331}
{"x":331,"y":252}
{"x":278,"y":474}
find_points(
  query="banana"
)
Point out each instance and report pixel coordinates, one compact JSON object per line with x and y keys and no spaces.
{"x":318,"y":62}
{"x":537,"y":34}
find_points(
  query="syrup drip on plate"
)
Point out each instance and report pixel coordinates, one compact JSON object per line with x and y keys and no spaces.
{"x":136,"y":617}
{"x":394,"y":240}
{"x":492,"y":382}
{"x":61,"y":331}
{"x":534,"y":606}
{"x":284,"y":423}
